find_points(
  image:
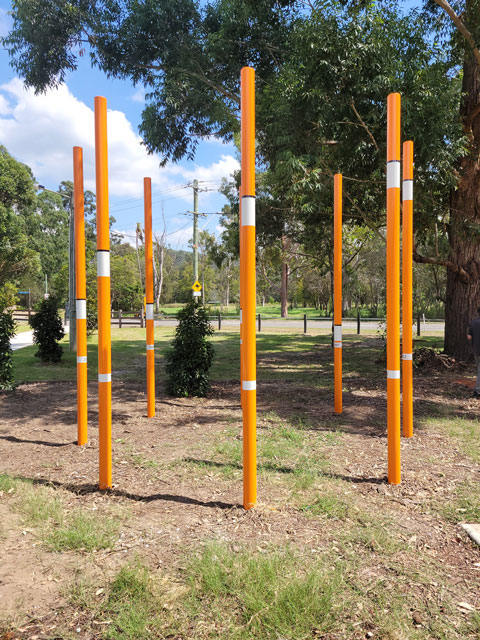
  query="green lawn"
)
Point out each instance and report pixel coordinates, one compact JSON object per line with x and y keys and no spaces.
{"x":281,"y":353}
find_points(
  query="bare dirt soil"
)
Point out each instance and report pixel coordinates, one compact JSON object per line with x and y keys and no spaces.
{"x":168,"y":480}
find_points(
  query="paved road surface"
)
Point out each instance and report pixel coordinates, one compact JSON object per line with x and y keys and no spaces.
{"x":25,"y":339}
{"x":348,"y":325}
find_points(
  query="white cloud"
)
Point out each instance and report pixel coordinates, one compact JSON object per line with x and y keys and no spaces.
{"x":5,"y":108}
{"x":139,"y":95}
{"x":40,"y":130}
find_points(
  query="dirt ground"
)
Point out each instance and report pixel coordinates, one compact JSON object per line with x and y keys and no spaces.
{"x":165,"y":477}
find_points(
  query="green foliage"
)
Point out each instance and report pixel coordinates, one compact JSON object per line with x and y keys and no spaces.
{"x":16,"y":197}
{"x":191,"y":355}
{"x":47,"y":331}
{"x":7,"y":331}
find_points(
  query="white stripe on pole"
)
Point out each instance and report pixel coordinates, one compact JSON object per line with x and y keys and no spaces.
{"x":249,"y":385}
{"x":248,"y":211}
{"x":393,"y":174}
{"x":407,"y":190}
{"x":81,"y":309}
{"x":103,"y":264}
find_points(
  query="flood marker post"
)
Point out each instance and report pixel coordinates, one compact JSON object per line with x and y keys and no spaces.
{"x":247,"y":269}
{"x":393,"y":287}
{"x":80,"y":295}
{"x":407,"y":313}
{"x":103,"y":288}
{"x":337,"y":291}
{"x":147,"y":190}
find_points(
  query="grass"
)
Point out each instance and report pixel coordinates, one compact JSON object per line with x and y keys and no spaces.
{"x":464,"y":431}
{"x":22,"y":328}
{"x":82,"y":531}
{"x":42,"y":508}
{"x":465,"y":507}
{"x":329,"y":506}
{"x":276,"y":594}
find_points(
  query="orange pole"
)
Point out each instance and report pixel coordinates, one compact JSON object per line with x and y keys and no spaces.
{"x":80,"y":295}
{"x":103,"y":287}
{"x":393,"y":287}
{"x":407,"y":289}
{"x":247,"y":260}
{"x":147,"y":189}
{"x":337,"y":291}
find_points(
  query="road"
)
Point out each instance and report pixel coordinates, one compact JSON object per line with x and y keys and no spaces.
{"x":348,"y":325}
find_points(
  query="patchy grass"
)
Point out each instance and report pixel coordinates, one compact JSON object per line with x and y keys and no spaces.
{"x":466,"y":432}
{"x":60,"y":529}
{"x":465,"y":507}
{"x":80,"y":531}
{"x":270,"y":595}
{"x":328,"y":506}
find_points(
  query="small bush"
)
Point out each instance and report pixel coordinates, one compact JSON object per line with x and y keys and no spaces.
{"x":191,"y":356}
{"x":47,"y":330}
{"x":7,"y":331}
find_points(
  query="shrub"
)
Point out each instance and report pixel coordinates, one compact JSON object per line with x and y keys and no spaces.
{"x":191,"y":355}
{"x":47,"y":331}
{"x":7,"y":331}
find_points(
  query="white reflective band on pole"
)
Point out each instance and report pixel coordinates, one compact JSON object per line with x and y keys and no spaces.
{"x":393,"y":373}
{"x":81,"y":359}
{"x":393,"y":174}
{"x":103,"y":264}
{"x":150,"y":347}
{"x":241,"y":341}
{"x":406,"y":356}
{"x":249,"y":385}
{"x":407,"y":190}
{"x":248,"y":211}
{"x":149,"y":311}
{"x":104,"y":377}
{"x":81,"y":309}
{"x":337,"y":333}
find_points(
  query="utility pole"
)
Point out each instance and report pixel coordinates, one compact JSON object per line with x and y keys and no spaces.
{"x":195,"y":230}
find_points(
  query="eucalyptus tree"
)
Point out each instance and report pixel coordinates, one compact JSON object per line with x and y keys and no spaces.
{"x":324,"y":70}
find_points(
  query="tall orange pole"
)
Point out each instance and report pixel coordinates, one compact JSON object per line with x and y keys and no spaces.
{"x":247,"y":268}
{"x":393,"y":287}
{"x":147,"y":190}
{"x":103,"y":289}
{"x":407,"y":288}
{"x":80,"y":295}
{"x":337,"y":291}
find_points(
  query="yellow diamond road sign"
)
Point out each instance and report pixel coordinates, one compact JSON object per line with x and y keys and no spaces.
{"x":196,"y":286}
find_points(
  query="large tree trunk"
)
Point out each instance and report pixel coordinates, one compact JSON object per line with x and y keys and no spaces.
{"x":463,"y":282}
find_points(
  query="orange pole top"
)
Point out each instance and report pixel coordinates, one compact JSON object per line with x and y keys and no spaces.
{"x":393,"y":126}
{"x":408,"y":160}
{"x":337,"y":249}
{"x":247,"y":79}
{"x":80,"y":284}
{"x":147,"y":188}
{"x":101,"y":151}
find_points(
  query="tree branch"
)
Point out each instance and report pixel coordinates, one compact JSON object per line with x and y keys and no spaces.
{"x":362,"y":123}
{"x":446,"y":6}
{"x":448,"y":264}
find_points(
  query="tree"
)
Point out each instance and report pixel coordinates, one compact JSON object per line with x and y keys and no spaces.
{"x":191,"y":355}
{"x":47,"y":331}
{"x":17,"y":196}
{"x":325,"y":71}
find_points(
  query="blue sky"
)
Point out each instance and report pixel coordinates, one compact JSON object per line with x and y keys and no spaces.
{"x":41,"y":131}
